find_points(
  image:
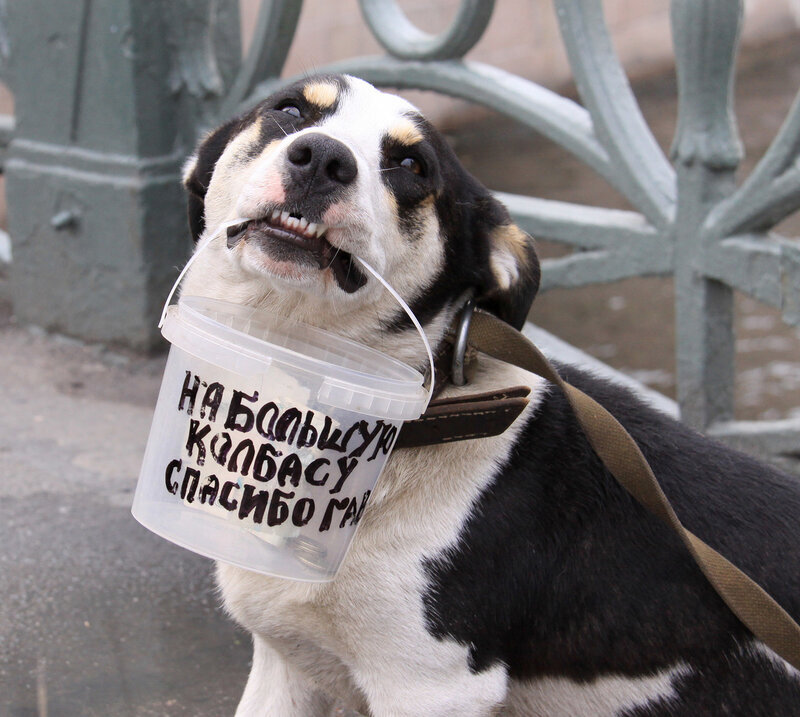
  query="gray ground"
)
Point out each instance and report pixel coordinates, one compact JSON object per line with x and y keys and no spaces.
{"x":100,"y":617}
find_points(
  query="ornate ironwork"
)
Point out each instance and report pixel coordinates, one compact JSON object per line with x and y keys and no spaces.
{"x":691,"y":221}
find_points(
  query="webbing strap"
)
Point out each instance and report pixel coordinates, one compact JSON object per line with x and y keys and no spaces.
{"x":764,"y":617}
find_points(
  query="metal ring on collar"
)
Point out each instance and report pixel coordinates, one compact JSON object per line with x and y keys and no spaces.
{"x":462,"y":332}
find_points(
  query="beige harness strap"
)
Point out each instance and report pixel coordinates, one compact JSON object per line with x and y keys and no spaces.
{"x":767,"y":620}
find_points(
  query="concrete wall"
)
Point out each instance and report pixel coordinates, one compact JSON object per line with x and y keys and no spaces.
{"x":522,"y":37}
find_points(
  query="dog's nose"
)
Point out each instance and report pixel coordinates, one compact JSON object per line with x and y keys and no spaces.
{"x":321,"y":163}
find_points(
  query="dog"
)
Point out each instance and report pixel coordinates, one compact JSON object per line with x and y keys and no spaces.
{"x":504,"y":575}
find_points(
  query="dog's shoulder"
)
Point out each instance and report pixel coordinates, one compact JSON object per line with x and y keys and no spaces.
{"x":743,"y":507}
{"x":588,"y":581}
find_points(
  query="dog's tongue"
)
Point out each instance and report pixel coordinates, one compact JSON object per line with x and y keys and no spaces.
{"x":348,"y":276}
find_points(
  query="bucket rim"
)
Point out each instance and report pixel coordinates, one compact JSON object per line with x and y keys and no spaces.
{"x":192,"y":313}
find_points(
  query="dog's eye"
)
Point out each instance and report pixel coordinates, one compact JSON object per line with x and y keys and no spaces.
{"x":290,"y":109}
{"x":411,"y":164}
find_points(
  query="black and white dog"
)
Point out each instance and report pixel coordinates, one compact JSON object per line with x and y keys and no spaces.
{"x":506,"y":575}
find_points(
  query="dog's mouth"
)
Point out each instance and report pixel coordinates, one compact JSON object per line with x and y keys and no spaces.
{"x":289,"y":236}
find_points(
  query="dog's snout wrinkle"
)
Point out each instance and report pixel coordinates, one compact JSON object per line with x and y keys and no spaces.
{"x":321,"y":163}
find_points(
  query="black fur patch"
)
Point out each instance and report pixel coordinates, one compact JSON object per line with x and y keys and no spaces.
{"x":467,"y":214}
{"x":275,"y":124}
{"x":413,"y":191}
{"x":560,"y":572}
{"x":197,"y":182}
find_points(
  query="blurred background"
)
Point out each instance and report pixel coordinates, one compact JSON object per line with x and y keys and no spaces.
{"x":99,"y":617}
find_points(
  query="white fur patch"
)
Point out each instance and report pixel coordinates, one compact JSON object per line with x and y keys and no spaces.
{"x":364,"y":224}
{"x":759,"y":648}
{"x":602,"y":697}
{"x":508,"y":253}
{"x":372,"y":616}
{"x":188,"y":167}
{"x":504,"y":267}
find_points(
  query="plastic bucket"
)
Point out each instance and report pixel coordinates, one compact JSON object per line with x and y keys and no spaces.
{"x":268,"y":437}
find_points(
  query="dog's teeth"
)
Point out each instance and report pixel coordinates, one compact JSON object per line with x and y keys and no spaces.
{"x":298,"y":224}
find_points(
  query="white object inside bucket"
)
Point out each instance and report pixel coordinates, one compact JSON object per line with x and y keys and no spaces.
{"x":268,"y":438}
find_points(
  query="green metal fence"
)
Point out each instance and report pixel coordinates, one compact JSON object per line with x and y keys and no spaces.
{"x":95,"y":205}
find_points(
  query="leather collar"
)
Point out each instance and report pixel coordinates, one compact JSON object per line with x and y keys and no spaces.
{"x":460,"y":418}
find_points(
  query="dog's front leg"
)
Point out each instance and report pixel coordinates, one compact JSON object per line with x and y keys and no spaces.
{"x":394,"y":690}
{"x":277,"y":689}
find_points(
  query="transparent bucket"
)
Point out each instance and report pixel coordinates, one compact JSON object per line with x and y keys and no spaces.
{"x":268,"y":438}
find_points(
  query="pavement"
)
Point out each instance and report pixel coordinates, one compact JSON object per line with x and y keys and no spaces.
{"x":99,"y":617}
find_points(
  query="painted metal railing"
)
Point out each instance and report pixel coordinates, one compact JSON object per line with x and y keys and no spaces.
{"x":690,"y":220}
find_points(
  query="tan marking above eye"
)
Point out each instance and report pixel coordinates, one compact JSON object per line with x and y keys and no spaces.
{"x":406,"y":133}
{"x":240,"y":144}
{"x":321,"y":94}
{"x":270,"y":147}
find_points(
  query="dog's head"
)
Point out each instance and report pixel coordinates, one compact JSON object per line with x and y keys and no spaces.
{"x":329,"y":169}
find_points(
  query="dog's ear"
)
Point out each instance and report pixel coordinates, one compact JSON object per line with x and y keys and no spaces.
{"x":198,"y":169}
{"x":511,"y":277}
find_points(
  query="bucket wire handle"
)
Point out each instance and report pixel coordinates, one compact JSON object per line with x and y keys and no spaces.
{"x":201,"y":247}
{"x":411,"y":316}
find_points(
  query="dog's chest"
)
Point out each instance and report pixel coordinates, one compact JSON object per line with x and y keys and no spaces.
{"x":418,"y":510}
{"x":405,"y":523}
